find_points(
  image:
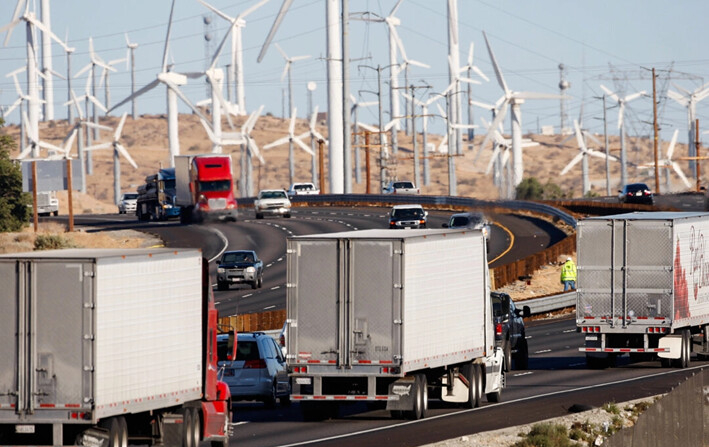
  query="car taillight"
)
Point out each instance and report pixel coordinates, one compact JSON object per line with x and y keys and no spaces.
{"x":255,"y":364}
{"x":498,"y":329}
{"x":282,"y":340}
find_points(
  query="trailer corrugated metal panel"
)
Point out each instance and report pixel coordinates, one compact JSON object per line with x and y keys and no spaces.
{"x":357,"y":300}
{"x":112,"y":331}
{"x":640,"y":268}
{"x":183,"y":195}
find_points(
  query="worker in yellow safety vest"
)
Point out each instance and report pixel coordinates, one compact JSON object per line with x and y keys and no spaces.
{"x":568,"y":274}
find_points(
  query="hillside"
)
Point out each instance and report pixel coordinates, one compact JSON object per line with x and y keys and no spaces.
{"x":146,"y":140}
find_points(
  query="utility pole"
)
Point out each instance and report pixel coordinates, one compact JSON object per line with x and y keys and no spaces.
{"x":347,"y":134}
{"x":696,"y":141}
{"x":655,"y":129}
{"x":605,"y":142}
{"x":417,"y":162}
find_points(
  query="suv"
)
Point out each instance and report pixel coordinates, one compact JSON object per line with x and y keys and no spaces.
{"x":509,"y":330}
{"x":407,"y":216}
{"x":272,"y":201}
{"x":127,"y":204}
{"x":636,"y":193}
{"x":259,"y":371}
{"x":397,"y":187}
{"x":238,"y":267}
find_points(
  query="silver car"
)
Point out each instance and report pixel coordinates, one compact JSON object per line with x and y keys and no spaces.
{"x":127,"y":204}
{"x":259,"y":370}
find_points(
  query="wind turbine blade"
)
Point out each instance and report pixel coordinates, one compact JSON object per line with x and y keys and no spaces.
{"x":499,"y":117}
{"x":318,"y":136}
{"x":367,"y":127}
{"x":492,"y":159}
{"x":83,"y":70}
{"x":97,"y":147}
{"x":9,"y":27}
{"x":572,"y":163}
{"x":304,"y":146}
{"x":150,"y":86}
{"x":216,"y":89}
{"x":216,"y":11}
{"x":484,"y":105}
{"x":45,"y":145}
{"x":597,"y":154}
{"x":536,"y":95}
{"x":25,"y":153}
{"x":122,"y":150}
{"x":590,"y":136}
{"x":46,"y":30}
{"x":634,"y":96}
{"x":671,"y":147}
{"x":495,"y":66}
{"x":253,"y":118}
{"x":682,"y":89}
{"x":680,"y":174}
{"x":254,"y":149}
{"x":215,"y":58}
{"x":280,"y":50}
{"x":177,"y":91}
{"x":251,"y":9}
{"x":98,"y":104}
{"x":285,"y":70}
{"x":15,"y":20}
{"x":69,"y":140}
{"x":208,"y":130}
{"x":167,"y":38}
{"x":278,"y":142}
{"x":469,"y":81}
{"x":610,"y":93}
{"x":56,"y":74}
{"x":470,"y":54}
{"x":119,"y":129}
{"x":395,"y":8}
{"x":480,"y":73}
{"x":299,"y":58}
{"x":13,"y":106}
{"x":274,"y":28}
{"x":397,"y":40}
{"x":374,"y":103}
{"x":391,"y":124}
{"x":579,"y":137}
{"x":96,"y":126}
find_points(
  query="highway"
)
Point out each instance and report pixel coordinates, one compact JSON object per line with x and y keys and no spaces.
{"x":557,"y":377}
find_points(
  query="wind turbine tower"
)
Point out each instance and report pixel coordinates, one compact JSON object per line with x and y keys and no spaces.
{"x":563,"y":86}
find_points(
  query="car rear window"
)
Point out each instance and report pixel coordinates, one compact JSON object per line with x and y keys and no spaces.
{"x":403,"y":185}
{"x":246,"y":350}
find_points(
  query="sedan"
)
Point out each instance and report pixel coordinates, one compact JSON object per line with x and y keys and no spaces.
{"x":636,"y":193}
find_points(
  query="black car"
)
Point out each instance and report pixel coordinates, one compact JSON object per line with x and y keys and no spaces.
{"x":636,"y":193}
{"x":509,"y":330}
{"x":239,"y":267}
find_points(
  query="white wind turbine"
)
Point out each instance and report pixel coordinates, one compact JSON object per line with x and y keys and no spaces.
{"x":621,"y":112}
{"x":23,"y":14}
{"x":667,"y":163}
{"x":335,"y":98}
{"x":514,"y":99}
{"x":290,"y":139}
{"x":118,"y":151}
{"x":95,"y":61}
{"x":408,"y":104}
{"x":172,"y":81}
{"x":54,"y":152}
{"x":470,"y":68}
{"x":315,"y":136}
{"x":105,"y":80}
{"x":424,"y":117}
{"x":237,"y":51}
{"x":249,"y":150}
{"x":690,"y":99}
{"x":287,"y":71}
{"x":130,"y":60}
{"x":582,"y":156}
{"x":450,"y":135}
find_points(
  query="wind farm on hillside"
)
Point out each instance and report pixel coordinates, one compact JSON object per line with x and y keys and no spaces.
{"x":430,"y":122}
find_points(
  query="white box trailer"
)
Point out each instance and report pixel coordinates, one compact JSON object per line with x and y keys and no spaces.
{"x":387,"y":315}
{"x":643,"y":286}
{"x":88,"y":334}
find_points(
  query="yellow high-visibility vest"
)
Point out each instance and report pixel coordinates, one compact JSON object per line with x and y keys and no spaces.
{"x":568,"y":271}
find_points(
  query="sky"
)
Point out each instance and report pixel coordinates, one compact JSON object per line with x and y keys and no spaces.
{"x":608,"y":42}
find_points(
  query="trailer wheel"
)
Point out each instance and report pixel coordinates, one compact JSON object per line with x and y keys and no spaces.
{"x":195,"y":428}
{"x":116,"y":437}
{"x":420,"y":399}
{"x":470,"y":375}
{"x":507,"y":350}
{"x":686,"y":350}
{"x":124,"y":430}
{"x":190,"y":428}
{"x":221,"y":285}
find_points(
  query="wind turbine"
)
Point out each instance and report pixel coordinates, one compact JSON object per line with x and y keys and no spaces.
{"x":470,"y":68}
{"x":290,"y":139}
{"x":667,"y":163}
{"x":621,"y":111}
{"x":405,"y":67}
{"x":172,"y":81}
{"x":354,"y":111}
{"x":451,"y":126}
{"x":118,"y":151}
{"x":287,"y":71}
{"x":582,"y":156}
{"x":104,"y":80}
{"x":32,"y":73}
{"x":690,"y":99}
{"x":335,"y":98}
{"x":237,"y":52}
{"x":249,"y":149}
{"x":514,"y":99}
{"x":424,"y":116}
{"x":95,"y":61}
{"x":130,"y":59}
{"x":54,"y":151}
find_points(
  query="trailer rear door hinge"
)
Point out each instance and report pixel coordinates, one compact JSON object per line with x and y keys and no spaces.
{"x":398,"y":286}
{"x":398,"y":322}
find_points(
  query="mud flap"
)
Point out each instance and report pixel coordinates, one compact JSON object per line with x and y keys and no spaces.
{"x":402,"y":394}
{"x":674,"y":343}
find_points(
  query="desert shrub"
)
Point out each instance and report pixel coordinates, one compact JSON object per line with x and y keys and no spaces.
{"x":52,"y":242}
{"x":14,"y":210}
{"x":530,"y":189}
{"x":546,"y":435}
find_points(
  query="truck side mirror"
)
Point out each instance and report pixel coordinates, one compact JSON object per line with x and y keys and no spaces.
{"x":231,"y":346}
{"x":526,"y":312}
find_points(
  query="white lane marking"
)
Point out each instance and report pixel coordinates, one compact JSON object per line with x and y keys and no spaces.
{"x":224,"y":240}
{"x":217,"y":302}
{"x":542,"y":351}
{"x":523,"y":374}
{"x":240,"y":423}
{"x":486,"y":407}
{"x":570,"y":330}
{"x":276,"y":287}
{"x":268,"y":307}
{"x":268,"y":265}
{"x":279,"y":259}
{"x":247,"y":295}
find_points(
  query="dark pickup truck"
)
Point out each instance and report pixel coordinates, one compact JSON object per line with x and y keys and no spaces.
{"x":509,"y":330}
{"x":239,"y":267}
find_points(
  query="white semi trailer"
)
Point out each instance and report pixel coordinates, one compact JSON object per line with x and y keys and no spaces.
{"x":390,"y":316}
{"x":643,"y":286}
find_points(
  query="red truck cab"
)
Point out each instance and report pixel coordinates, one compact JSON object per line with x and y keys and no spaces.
{"x":205,"y":187}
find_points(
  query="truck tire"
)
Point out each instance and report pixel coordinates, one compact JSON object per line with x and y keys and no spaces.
{"x":124,"y":430}
{"x":522,"y":356}
{"x":195,"y":429}
{"x":469,"y":371}
{"x":259,"y":216}
{"x":420,"y":399}
{"x":189,"y":438}
{"x":116,"y":436}
{"x":254,"y":284}
{"x":507,"y":350}
{"x":55,"y":213}
{"x":686,"y":350}
{"x":221,"y":285}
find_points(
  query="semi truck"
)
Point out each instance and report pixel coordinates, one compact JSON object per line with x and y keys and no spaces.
{"x":103,"y":347}
{"x":643,"y":287}
{"x":156,"y":197}
{"x":205,"y":188}
{"x":390,"y":317}
{"x":47,"y":203}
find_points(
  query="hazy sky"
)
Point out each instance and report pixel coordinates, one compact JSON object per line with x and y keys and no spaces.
{"x":606,"y":42}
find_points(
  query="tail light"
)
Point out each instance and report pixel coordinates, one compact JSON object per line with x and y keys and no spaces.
{"x":282,"y":340}
{"x":498,"y":329}
{"x":255,"y":364}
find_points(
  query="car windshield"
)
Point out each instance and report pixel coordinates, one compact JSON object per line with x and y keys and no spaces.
{"x":130,"y":196}
{"x":402,"y":185}
{"x":215,"y":185}
{"x":273,"y":195}
{"x":408,"y":212}
{"x":231,"y":258}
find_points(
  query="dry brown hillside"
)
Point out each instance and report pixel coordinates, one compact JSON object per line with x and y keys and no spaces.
{"x":146,"y":140}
